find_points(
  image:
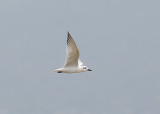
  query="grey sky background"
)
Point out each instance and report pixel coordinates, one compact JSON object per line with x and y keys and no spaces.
{"x":118,"y":39}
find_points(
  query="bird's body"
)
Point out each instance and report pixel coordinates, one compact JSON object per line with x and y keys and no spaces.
{"x":69,"y":70}
{"x":73,"y":64}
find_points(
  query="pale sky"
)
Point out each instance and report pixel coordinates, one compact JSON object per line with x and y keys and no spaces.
{"x":118,"y":39}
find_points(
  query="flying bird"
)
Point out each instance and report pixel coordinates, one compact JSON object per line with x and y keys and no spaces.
{"x":72,"y":64}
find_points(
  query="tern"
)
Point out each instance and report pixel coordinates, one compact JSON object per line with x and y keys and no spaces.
{"x":72,"y":64}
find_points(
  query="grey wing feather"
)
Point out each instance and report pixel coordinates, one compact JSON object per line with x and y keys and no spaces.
{"x":72,"y":52}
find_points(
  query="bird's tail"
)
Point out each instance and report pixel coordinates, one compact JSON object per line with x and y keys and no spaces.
{"x":57,"y":70}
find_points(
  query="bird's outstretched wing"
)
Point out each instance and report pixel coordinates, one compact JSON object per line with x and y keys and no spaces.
{"x":72,"y":52}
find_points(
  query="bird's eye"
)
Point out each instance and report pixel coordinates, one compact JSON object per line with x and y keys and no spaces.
{"x":84,"y":67}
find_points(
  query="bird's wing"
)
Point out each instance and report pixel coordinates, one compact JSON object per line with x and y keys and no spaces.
{"x":72,"y":52}
{"x":80,"y":62}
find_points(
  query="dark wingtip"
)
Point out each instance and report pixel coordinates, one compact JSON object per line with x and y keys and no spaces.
{"x":59,"y":72}
{"x":68,"y":34}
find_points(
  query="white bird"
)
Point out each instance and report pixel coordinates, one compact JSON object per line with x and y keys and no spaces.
{"x":72,"y":64}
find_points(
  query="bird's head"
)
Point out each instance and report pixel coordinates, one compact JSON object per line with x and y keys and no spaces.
{"x":84,"y":68}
